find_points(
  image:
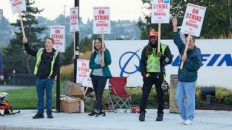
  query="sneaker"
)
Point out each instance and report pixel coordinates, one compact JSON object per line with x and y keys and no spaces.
{"x":181,"y":121}
{"x":142,"y":116}
{"x":50,"y":116}
{"x":159,"y":117}
{"x":100,"y":113}
{"x":188,"y":122}
{"x":38,"y":116}
{"x":93,"y":113}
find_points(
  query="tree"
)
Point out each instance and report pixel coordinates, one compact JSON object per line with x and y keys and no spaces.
{"x":15,"y":57}
{"x":216,"y":23}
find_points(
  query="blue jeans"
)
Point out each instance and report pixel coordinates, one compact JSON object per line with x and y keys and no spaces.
{"x":185,"y":97}
{"x":41,"y":86}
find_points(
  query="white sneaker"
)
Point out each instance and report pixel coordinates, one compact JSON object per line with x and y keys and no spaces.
{"x":181,"y":121}
{"x":188,"y":122}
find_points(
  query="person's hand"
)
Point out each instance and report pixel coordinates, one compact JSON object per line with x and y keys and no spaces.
{"x":1,"y":77}
{"x":25,"y":40}
{"x":102,"y":64}
{"x":174,"y":21}
{"x":103,"y":49}
{"x":184,"y":57}
{"x":159,"y":54}
{"x":147,"y":75}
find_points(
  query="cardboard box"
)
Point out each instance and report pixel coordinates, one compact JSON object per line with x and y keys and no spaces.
{"x":70,"y":104}
{"x":76,"y":90}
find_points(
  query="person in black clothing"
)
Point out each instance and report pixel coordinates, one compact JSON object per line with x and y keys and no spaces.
{"x":152,"y":69}
{"x":46,"y":68}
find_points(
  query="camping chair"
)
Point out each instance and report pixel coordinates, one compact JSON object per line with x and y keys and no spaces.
{"x":119,"y":98}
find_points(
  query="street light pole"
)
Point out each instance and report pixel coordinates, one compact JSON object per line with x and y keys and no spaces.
{"x":76,"y":45}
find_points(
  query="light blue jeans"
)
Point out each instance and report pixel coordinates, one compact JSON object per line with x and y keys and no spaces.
{"x":185,"y":97}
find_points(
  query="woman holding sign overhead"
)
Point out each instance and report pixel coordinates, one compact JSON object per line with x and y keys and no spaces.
{"x":99,"y":61}
{"x":185,"y":95}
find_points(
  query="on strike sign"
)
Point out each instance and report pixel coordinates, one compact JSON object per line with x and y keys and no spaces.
{"x":160,"y":11}
{"x":83,"y":73}
{"x":58,"y":34}
{"x":74,"y":24}
{"x":101,"y":20}
{"x":18,"y":6}
{"x":193,"y":19}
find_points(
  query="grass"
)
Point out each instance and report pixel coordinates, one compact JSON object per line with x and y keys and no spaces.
{"x":26,"y":98}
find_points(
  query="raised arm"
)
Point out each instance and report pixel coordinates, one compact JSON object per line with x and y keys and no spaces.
{"x":28,"y":48}
{"x":176,"y":36}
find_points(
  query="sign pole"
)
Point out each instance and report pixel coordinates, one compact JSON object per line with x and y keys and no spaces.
{"x":103,"y":46}
{"x":22,"y":27}
{"x":159,"y":37}
{"x":185,"y":51}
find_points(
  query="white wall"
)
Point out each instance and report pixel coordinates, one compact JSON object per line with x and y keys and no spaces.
{"x":218,"y":50}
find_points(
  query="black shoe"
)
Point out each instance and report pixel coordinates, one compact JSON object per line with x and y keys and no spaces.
{"x":93,"y":113}
{"x":142,"y":116}
{"x":159,"y":117}
{"x":50,"y":116}
{"x":37,"y":116}
{"x":100,"y":113}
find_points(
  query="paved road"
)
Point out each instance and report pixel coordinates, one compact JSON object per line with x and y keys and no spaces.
{"x":205,"y":120}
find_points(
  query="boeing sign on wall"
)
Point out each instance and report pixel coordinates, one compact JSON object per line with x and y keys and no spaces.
{"x":216,"y":58}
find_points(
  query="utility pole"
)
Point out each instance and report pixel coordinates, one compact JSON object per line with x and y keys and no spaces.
{"x":76,"y":49}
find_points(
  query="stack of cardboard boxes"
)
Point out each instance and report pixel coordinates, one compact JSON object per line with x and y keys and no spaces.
{"x":71,"y":102}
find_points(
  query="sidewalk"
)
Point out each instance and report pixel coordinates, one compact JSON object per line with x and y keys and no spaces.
{"x":205,"y":120}
{"x":3,"y":88}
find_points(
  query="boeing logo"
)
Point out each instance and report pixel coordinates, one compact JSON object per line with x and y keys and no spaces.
{"x":129,"y":66}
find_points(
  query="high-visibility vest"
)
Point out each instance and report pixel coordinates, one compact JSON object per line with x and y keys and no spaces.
{"x":153,"y":61}
{"x":38,"y":60}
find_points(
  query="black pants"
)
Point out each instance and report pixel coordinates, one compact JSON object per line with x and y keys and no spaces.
{"x":147,"y":85}
{"x":99,"y":83}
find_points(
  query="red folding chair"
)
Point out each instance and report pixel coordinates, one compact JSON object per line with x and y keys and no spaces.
{"x":119,"y":98}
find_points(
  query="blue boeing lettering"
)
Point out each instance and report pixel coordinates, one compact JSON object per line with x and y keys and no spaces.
{"x":227,"y":59}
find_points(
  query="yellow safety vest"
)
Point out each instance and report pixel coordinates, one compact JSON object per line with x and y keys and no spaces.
{"x":38,"y":60}
{"x":153,"y":61}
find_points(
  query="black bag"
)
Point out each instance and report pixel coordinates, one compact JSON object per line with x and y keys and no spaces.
{"x":165,"y":86}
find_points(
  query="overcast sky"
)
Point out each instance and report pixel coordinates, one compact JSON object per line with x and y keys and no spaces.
{"x":119,"y":9}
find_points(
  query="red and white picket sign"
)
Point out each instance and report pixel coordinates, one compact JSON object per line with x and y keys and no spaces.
{"x":193,"y":19}
{"x":83,"y":73}
{"x":101,"y":20}
{"x":74,"y":23}
{"x":160,"y":11}
{"x":58,"y":34}
{"x":18,"y":6}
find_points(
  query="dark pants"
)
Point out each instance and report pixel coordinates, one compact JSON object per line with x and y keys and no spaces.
{"x":41,"y":86}
{"x":99,"y":83}
{"x":147,"y":85}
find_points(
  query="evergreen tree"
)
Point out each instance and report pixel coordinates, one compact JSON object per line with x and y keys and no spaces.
{"x":15,"y":56}
{"x":217,"y":22}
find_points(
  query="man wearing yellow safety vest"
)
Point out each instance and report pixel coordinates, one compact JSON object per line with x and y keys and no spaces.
{"x":152,"y":69}
{"x":46,"y":68}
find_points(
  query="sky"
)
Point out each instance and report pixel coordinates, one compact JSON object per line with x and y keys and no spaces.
{"x":119,"y":9}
